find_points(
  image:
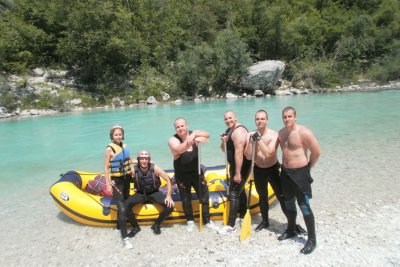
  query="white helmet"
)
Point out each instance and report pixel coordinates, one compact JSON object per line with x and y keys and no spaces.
{"x":114,"y":128}
{"x":143,"y":154}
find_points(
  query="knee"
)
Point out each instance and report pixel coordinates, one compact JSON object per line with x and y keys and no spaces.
{"x":262,"y":196}
{"x":205,"y":197}
{"x":260,"y":190}
{"x":168,"y":209}
{"x":181,"y":189}
{"x":121,"y":210}
{"x":121,"y":215}
{"x":234,"y":194}
{"x":186,"y":197}
{"x":128,"y":205}
{"x":128,"y":208}
{"x":305,"y":209}
{"x":290,"y":204}
{"x":121,"y":207}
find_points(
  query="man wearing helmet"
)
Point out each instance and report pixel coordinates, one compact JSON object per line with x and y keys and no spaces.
{"x":184,"y":148}
{"x":147,"y":184}
{"x":118,"y":174}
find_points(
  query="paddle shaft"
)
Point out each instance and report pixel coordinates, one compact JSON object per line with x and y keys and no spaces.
{"x":227,"y":179}
{"x":226,"y":170}
{"x":246,"y":224}
{"x":253,"y":154}
{"x":200,"y":186}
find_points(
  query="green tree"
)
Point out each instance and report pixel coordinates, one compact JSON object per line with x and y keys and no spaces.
{"x":195,"y":70}
{"x":6,"y":5}
{"x":205,"y":44}
{"x":388,"y":67}
{"x":150,"y":82}
{"x":208,"y":69}
{"x":22,"y":44}
{"x":99,"y":39}
{"x":357,"y":47}
{"x":231,"y":60}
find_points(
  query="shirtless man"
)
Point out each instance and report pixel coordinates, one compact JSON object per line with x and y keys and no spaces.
{"x":296,"y":141}
{"x":266,"y":166}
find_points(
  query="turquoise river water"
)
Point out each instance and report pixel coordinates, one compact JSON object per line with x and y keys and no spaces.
{"x":35,"y":151}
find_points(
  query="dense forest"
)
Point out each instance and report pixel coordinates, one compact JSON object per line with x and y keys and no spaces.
{"x":138,"y":48}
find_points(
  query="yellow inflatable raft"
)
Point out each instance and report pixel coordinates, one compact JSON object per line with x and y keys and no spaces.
{"x":86,"y":208}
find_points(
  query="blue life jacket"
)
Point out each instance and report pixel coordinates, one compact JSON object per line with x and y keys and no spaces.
{"x":120,"y":164}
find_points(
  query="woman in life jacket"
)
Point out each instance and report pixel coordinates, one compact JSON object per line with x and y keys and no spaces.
{"x":147,"y":184}
{"x":118,"y":174}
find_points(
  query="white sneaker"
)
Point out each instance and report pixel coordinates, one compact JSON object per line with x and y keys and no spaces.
{"x":226,"y":230}
{"x":239,"y":222}
{"x":127,"y":244}
{"x":190,"y":226}
{"x":211,"y":225}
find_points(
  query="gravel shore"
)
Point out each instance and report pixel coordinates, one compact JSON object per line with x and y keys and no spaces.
{"x":356,"y":205}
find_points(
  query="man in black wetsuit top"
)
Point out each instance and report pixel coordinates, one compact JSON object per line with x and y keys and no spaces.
{"x":236,"y":141}
{"x":184,"y":149}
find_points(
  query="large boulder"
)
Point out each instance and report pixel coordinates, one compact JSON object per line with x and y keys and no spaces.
{"x":165,"y":96}
{"x":295,"y":91}
{"x":231,"y":96}
{"x":258,"y":93}
{"x":34,"y":112}
{"x":38,"y":72}
{"x":151,"y":100}
{"x":263,"y":75}
{"x":116,"y":101}
{"x":75,"y":101}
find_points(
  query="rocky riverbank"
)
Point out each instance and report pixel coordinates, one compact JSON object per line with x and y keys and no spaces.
{"x":53,"y":83}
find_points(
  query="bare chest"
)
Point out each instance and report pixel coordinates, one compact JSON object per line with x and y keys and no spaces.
{"x":292,"y":141}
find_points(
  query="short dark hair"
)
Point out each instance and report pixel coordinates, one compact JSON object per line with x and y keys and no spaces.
{"x":229,"y":110}
{"x":179,"y":118}
{"x":289,"y":108}
{"x":262,"y":111}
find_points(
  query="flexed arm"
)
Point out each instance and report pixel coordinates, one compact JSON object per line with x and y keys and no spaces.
{"x":249,"y":147}
{"x":239,"y":138}
{"x":200,"y":136}
{"x":268,"y":145}
{"x":177,"y":148}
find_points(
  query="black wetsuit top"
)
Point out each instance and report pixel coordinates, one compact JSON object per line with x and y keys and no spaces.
{"x":187,"y":161}
{"x":301,"y":177}
{"x":230,"y":147}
